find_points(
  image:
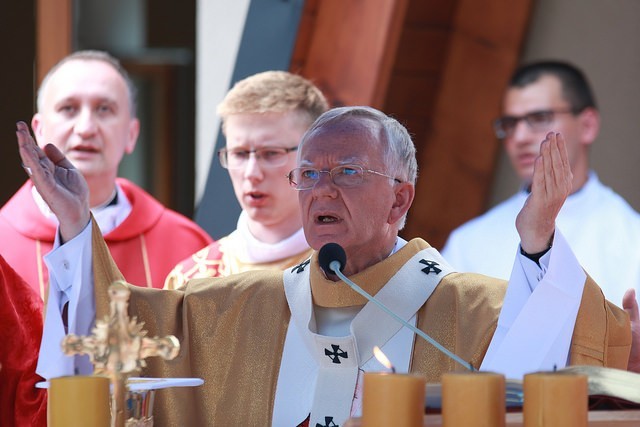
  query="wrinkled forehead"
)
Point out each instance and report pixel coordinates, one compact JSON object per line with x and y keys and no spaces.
{"x":347,"y":140}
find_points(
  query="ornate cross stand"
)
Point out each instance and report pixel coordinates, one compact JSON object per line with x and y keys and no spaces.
{"x":118,"y":346}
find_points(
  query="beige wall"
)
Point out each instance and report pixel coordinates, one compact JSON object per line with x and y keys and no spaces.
{"x":603,"y":38}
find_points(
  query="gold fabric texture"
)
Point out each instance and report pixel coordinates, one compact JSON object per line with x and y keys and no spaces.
{"x":232,"y":333}
{"x":462,"y":315}
{"x":602,"y":335}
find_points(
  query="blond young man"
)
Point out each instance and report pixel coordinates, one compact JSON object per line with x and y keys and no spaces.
{"x":263,"y":118}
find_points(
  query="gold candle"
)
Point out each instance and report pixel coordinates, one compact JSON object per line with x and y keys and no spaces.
{"x":79,"y":401}
{"x":473,"y":399}
{"x":393,"y":400}
{"x":555,"y":400}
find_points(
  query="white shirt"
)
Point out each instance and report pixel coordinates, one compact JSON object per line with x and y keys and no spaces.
{"x":108,"y":216}
{"x":600,"y":226}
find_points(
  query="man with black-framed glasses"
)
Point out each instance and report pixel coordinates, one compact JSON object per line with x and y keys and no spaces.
{"x":263,"y":119}
{"x":601,"y":227}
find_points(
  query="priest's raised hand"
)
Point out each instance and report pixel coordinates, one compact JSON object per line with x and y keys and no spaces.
{"x":59,"y":183}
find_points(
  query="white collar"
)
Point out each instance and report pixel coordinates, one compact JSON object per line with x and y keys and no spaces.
{"x":252,"y":250}
{"x":107,"y":216}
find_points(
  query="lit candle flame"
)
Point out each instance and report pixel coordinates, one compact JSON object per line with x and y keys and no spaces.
{"x":382,"y":358}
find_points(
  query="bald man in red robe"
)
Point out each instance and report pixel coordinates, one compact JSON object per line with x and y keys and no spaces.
{"x":86,"y":107}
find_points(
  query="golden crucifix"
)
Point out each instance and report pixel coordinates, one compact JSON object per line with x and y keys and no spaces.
{"x":118,"y":346}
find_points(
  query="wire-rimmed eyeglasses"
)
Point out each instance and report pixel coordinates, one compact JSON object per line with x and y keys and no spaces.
{"x":539,"y":120}
{"x":271,"y":157}
{"x":305,"y":178}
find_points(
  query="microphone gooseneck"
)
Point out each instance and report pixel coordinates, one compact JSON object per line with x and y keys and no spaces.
{"x":332,"y":258}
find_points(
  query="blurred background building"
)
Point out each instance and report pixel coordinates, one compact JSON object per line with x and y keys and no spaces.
{"x":439,"y":66}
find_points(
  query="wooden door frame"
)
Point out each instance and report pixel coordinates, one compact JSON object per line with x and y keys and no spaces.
{"x":54,"y":32}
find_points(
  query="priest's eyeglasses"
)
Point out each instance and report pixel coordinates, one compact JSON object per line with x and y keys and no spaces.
{"x":540,"y":120}
{"x":268,"y":157}
{"x":346,"y":176}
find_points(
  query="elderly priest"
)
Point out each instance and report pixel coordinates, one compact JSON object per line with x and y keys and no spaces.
{"x":289,"y":348}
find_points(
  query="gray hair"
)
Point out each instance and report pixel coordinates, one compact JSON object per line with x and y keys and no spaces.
{"x":398,"y":149}
{"x":91,"y":55}
{"x":399,"y":152}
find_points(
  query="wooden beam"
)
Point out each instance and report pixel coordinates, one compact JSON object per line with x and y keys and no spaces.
{"x":352,"y":48}
{"x":54,"y":31}
{"x":458,"y":155}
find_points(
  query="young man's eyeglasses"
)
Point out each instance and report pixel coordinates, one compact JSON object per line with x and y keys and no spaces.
{"x":270,"y":157}
{"x":540,"y":120}
{"x":345,"y":176}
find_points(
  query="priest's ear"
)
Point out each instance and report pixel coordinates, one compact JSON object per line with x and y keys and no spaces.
{"x":404,"y":192}
{"x":589,"y":125}
{"x":38,"y":127}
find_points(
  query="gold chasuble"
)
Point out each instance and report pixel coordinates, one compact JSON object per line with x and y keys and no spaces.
{"x":232,"y":332}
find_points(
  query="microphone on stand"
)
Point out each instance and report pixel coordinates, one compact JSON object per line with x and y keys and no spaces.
{"x":332,"y":258}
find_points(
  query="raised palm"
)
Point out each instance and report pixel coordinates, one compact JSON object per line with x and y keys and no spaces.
{"x":59,"y":183}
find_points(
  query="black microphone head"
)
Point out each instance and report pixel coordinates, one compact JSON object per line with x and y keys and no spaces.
{"x":331,"y":252}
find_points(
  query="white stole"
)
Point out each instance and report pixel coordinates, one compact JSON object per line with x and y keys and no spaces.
{"x":319,"y":374}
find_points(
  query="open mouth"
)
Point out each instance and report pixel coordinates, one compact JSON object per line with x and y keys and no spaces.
{"x":84,"y":149}
{"x":326,"y":219}
{"x":527,"y":158}
{"x":256,"y":196}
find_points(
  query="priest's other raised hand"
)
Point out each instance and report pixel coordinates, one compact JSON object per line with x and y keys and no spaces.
{"x":630,"y":305}
{"x":550,"y":187}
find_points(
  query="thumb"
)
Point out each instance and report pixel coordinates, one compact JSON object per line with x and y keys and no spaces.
{"x":630,"y":305}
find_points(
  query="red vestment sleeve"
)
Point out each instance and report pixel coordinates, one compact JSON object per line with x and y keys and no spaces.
{"x":21,"y":404}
